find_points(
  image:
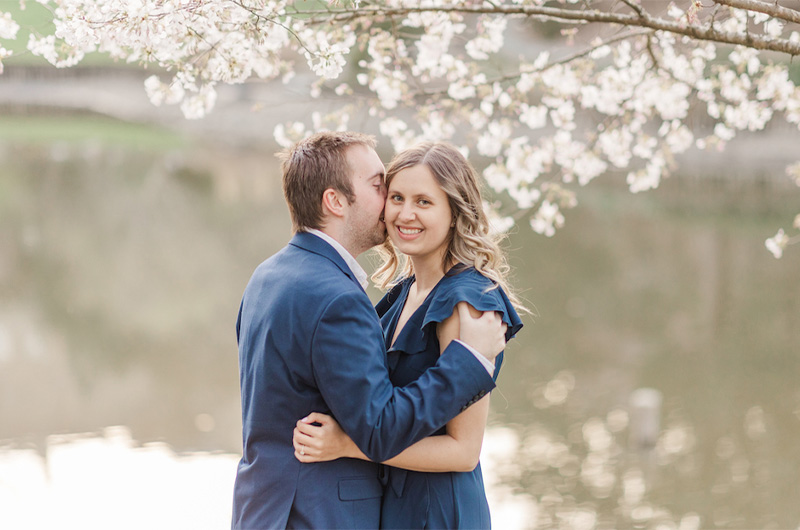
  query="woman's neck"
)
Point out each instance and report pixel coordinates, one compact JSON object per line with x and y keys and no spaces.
{"x":427,"y":272}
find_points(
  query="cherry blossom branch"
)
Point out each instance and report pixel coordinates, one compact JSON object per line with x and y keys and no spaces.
{"x":773,"y":10}
{"x":636,"y":7}
{"x":639,"y":19}
{"x":189,"y":8}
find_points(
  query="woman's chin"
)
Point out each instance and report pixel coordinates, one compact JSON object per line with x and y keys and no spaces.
{"x":401,"y":244}
{"x":398,"y":243}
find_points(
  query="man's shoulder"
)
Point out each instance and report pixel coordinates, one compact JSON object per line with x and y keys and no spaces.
{"x":301,"y":271}
{"x":297,"y":258}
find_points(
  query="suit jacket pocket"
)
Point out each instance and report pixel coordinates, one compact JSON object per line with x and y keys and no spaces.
{"x":354,"y":489}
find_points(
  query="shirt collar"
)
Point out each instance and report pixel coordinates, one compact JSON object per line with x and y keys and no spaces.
{"x":355,"y":268}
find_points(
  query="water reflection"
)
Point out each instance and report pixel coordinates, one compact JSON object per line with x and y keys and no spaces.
{"x":120,"y":277}
{"x":90,"y":481}
{"x":99,"y":482}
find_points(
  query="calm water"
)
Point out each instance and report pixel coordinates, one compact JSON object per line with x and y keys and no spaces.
{"x":120,"y":277}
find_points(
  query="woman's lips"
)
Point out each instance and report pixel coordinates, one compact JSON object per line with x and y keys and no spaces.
{"x":407,"y":232}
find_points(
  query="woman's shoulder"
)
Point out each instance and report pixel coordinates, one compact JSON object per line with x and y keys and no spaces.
{"x":467,"y":277}
{"x":467,"y":284}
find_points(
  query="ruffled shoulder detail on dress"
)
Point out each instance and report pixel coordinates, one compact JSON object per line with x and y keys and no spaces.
{"x":469,"y":285}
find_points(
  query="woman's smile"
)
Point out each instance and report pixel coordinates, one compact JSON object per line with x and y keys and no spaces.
{"x":408,"y":233}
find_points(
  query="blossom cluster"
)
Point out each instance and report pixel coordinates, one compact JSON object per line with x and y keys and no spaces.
{"x":199,"y":43}
{"x":8,"y":31}
{"x":629,"y":104}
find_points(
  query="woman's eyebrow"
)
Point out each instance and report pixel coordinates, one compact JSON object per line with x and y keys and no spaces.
{"x":412,"y":195}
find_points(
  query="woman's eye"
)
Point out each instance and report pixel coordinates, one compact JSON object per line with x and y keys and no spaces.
{"x":423,"y":202}
{"x":397,"y":198}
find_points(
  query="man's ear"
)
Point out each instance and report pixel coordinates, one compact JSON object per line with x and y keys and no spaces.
{"x":333,"y":202}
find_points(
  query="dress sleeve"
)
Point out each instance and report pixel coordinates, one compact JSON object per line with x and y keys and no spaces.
{"x":478,"y":291}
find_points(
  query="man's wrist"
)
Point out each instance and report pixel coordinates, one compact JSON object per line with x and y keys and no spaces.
{"x":489,"y":365}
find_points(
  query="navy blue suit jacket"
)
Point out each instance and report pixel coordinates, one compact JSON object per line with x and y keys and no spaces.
{"x":310,"y":341}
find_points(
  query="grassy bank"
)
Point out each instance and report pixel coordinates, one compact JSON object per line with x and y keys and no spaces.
{"x":81,"y":129}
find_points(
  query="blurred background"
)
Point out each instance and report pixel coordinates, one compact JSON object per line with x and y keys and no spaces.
{"x":654,"y":386}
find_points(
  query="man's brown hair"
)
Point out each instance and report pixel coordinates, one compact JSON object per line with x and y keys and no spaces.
{"x":312,"y":166}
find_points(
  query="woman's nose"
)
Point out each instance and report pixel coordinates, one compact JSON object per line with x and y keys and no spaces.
{"x":406,"y":212}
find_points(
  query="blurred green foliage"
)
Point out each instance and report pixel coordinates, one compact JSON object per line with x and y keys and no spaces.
{"x":87,"y":128}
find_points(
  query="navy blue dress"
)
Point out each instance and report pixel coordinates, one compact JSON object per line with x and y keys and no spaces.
{"x":435,"y":500}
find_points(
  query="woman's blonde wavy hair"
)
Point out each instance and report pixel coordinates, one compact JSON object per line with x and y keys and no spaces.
{"x":470,"y":241}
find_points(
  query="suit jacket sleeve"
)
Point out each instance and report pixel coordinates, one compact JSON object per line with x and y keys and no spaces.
{"x":350,"y":370}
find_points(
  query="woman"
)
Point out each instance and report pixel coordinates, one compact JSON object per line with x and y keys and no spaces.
{"x":434,"y":217}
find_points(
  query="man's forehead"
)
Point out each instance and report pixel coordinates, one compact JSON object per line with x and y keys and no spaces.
{"x":364,"y":161}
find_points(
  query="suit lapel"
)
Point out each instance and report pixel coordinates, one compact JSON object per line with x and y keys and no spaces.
{"x":317,"y":245}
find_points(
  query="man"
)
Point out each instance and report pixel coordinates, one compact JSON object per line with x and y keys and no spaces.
{"x":310,"y":341}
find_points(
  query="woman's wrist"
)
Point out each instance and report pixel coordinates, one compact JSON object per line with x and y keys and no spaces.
{"x":351,"y":449}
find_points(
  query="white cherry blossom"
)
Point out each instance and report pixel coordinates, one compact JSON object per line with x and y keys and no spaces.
{"x":534,"y":117}
{"x":777,"y":243}
{"x":548,"y":217}
{"x":8,"y":28}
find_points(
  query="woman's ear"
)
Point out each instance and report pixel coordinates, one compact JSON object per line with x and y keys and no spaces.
{"x":333,"y":202}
